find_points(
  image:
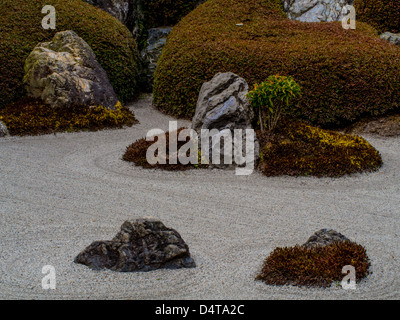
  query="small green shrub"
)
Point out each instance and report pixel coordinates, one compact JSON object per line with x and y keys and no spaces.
{"x":384,"y":15}
{"x":21,"y":31}
{"x":33,"y":117}
{"x":316,"y":267}
{"x":271,"y":98}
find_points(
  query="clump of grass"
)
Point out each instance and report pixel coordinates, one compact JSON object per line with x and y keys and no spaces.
{"x":33,"y":117}
{"x":296,"y":149}
{"x":314,"y":267}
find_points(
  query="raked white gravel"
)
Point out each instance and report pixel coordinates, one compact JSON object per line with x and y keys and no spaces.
{"x":58,"y":193}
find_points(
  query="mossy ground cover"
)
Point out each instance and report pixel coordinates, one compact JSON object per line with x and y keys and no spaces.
{"x":298,"y":149}
{"x":384,"y":15}
{"x":294,"y":149}
{"x":314,"y":267}
{"x":32,"y":117}
{"x":21,"y":31}
{"x":344,"y":74}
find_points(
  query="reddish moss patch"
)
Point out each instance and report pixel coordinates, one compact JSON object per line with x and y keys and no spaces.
{"x":136,"y":153}
{"x":33,"y":117}
{"x":314,"y":267}
{"x":297,"y":149}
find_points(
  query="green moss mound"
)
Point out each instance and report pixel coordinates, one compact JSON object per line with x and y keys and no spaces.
{"x":299,"y":149}
{"x":316,"y":267}
{"x":33,"y":117}
{"x":384,"y":15}
{"x":344,"y":74}
{"x":21,"y":31}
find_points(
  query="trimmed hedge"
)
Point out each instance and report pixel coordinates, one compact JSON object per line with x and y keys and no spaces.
{"x":296,"y":149}
{"x":21,"y":31}
{"x":344,"y":74}
{"x":314,"y":267}
{"x":384,"y":15}
{"x":33,"y":117}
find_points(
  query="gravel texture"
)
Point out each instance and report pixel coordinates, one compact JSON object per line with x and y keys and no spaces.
{"x":58,"y":193}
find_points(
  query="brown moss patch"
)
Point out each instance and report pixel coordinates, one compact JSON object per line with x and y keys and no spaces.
{"x":314,"y":267}
{"x":136,"y":153}
{"x":297,"y":149}
{"x":33,"y":117}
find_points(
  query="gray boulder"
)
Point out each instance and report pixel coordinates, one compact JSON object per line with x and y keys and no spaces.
{"x":315,"y":10}
{"x":391,"y":37}
{"x":3,"y":130}
{"x":223,"y":105}
{"x":141,"y":245}
{"x":157,"y":38}
{"x":324,"y":237}
{"x":65,"y":72}
{"x":118,"y":8}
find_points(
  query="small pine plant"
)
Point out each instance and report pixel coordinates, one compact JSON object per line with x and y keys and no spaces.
{"x":272,"y":98}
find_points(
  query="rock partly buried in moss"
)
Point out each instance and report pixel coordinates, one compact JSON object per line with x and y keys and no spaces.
{"x":298,"y":149}
{"x":21,"y":30}
{"x":324,"y":237}
{"x":391,"y":37}
{"x":141,"y":245}
{"x":65,"y":72}
{"x":344,"y":74}
{"x":3,"y":130}
{"x":318,"y":263}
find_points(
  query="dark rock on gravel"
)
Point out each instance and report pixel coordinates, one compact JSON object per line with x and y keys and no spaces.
{"x":141,"y":245}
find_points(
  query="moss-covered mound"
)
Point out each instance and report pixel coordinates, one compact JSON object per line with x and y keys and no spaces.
{"x":384,"y":15}
{"x":299,"y":149}
{"x":32,"y":117}
{"x":293,"y":149}
{"x":314,"y":267}
{"x":137,"y":151}
{"x":344,"y":74}
{"x":21,"y":31}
